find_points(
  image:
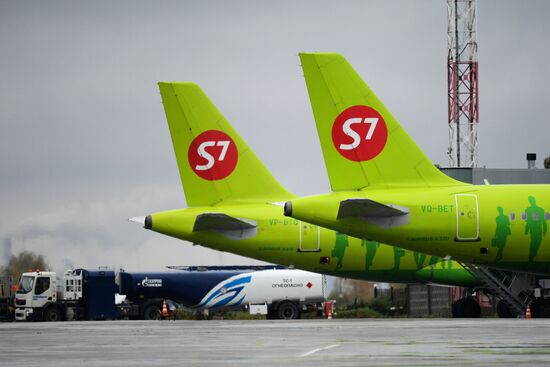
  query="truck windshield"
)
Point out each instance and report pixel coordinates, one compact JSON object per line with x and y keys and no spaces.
{"x":25,"y":285}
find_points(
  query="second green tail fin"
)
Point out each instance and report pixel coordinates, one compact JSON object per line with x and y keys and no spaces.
{"x":214,"y":162}
{"x":363,"y":144}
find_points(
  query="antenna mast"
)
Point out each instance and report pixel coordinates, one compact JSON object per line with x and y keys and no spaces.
{"x":462,"y":78}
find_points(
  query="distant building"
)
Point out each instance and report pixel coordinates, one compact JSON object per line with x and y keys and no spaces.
{"x":499,"y":176}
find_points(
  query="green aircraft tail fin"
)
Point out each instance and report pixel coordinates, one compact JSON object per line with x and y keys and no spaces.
{"x":214,"y":162}
{"x":363,"y":144}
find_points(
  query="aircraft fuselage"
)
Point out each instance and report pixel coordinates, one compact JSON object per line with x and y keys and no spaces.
{"x":288,"y":241}
{"x":498,"y":225}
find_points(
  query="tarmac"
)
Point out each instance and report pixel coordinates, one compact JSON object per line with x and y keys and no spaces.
{"x":357,"y":342}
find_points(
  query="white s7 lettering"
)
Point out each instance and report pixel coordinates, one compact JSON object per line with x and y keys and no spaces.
{"x":372,"y":121}
{"x":351,"y":133}
{"x":204,"y":154}
{"x":346,"y":128}
{"x":225,"y":145}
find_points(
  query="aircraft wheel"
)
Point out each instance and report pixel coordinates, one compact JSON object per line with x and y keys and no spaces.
{"x":457,"y":308}
{"x":52,"y":313}
{"x":466,"y":307}
{"x":471,"y":308}
{"x":504,"y":311}
{"x":288,"y":311}
{"x":152,"y":312}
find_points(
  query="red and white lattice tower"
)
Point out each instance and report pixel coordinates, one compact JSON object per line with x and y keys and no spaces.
{"x":462,"y":74}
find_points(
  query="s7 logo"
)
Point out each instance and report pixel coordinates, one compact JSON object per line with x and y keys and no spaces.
{"x":203,"y":153}
{"x":347,"y":129}
{"x":213,"y":155}
{"x":359,"y":133}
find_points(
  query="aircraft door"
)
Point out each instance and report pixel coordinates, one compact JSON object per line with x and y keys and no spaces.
{"x":467,"y":217}
{"x":310,"y":236}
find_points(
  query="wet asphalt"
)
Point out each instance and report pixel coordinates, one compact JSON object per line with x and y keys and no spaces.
{"x":366,"y":342}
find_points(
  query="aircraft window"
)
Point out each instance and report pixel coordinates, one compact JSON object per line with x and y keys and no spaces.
{"x":512,"y":216}
{"x":523,"y":216}
{"x":546,"y":216}
{"x":42,"y":285}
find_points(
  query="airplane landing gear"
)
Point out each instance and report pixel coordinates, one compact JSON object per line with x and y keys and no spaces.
{"x":466,"y":308}
{"x":505,"y":312}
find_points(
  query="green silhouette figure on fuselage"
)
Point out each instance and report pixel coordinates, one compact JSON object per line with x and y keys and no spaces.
{"x":420,"y":259}
{"x":501,"y":233}
{"x":398,"y":253}
{"x":371,"y":247}
{"x":535,"y":225}
{"x":339,"y":249}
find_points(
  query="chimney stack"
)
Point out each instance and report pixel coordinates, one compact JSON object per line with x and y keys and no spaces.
{"x":531,"y":159}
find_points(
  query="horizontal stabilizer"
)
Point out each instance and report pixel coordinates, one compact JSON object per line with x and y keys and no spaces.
{"x":367,"y":208}
{"x":382,"y":215}
{"x":226,"y":225}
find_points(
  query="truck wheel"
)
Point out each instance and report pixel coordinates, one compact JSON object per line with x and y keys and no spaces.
{"x":287,"y":311}
{"x":505,"y":312}
{"x":52,"y":313}
{"x":152,"y":312}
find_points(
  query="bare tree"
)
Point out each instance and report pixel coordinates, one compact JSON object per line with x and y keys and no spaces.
{"x":23,"y":262}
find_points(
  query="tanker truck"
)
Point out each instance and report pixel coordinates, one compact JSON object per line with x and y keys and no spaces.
{"x":83,"y":294}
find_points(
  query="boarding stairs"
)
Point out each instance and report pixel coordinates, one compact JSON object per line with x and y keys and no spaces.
{"x":508,"y":286}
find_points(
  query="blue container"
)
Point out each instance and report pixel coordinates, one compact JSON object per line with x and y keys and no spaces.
{"x":98,"y":293}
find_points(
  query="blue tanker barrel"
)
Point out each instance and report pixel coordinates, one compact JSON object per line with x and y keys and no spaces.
{"x":185,"y":287}
{"x":99,"y":290}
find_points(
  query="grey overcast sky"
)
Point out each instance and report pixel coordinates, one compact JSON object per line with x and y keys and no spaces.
{"x":84,"y":144}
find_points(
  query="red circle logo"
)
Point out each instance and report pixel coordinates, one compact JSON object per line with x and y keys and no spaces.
{"x":213,"y":155}
{"x":359,"y":133}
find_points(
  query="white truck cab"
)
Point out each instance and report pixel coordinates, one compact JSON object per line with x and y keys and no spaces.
{"x":36,"y":289}
{"x":38,"y":296}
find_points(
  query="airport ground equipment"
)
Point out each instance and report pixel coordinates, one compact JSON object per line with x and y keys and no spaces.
{"x":78,"y":295}
{"x":91,"y":294}
{"x":276,"y":292}
{"x":6,"y":298}
{"x":515,"y":291}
